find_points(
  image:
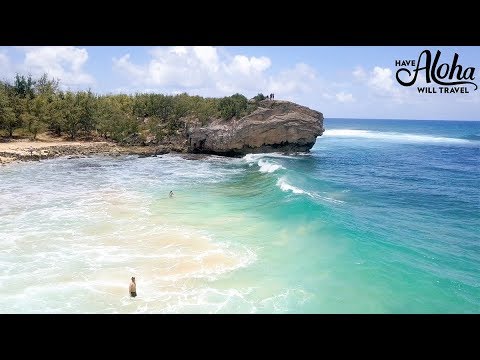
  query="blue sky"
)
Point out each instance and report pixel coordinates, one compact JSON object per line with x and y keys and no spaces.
{"x":342,"y":82}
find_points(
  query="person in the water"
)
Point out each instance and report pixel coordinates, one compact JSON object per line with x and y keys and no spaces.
{"x":171,"y":193}
{"x":133,"y":287}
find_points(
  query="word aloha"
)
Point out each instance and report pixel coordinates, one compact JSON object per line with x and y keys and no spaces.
{"x":442,"y":74}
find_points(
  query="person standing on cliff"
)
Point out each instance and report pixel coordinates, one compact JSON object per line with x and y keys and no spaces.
{"x":133,"y":287}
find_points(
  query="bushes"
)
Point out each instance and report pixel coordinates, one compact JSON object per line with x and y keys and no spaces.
{"x":259,"y":97}
{"x":8,"y":120}
{"x":39,"y":104}
{"x":235,"y":105}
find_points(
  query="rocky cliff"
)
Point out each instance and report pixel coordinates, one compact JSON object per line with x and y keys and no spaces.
{"x":275,"y":126}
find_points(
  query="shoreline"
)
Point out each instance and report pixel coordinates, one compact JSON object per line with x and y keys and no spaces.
{"x":22,"y":150}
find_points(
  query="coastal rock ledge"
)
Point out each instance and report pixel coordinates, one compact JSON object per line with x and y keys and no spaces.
{"x":276,"y":126}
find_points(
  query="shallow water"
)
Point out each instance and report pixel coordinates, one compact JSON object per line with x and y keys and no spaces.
{"x":380,"y":217}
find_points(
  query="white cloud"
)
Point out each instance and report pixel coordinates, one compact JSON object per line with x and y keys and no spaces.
{"x":300,"y":79}
{"x":61,"y":62}
{"x":172,"y":67}
{"x":344,"y":97}
{"x":206,"y":70}
{"x":207,"y":55}
{"x":179,"y":50}
{"x":359,"y":73}
{"x":380,"y":80}
{"x":124,"y":64}
{"x":377,"y":94}
{"x":242,"y":65}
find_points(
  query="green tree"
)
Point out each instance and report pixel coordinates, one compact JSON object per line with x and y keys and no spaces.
{"x":86,"y":103}
{"x":161,"y":106}
{"x":37,"y":104}
{"x":46,"y":107}
{"x":235,"y":105}
{"x":155,"y":128}
{"x":241,"y":103}
{"x":56,"y":111}
{"x":107,"y":113}
{"x":7,"y":114}
{"x":46,"y":86}
{"x":24,"y":86}
{"x":39,"y":115}
{"x":72,"y":113}
{"x":227,"y":108}
{"x":140,"y":102}
{"x":114,"y":118}
{"x":259,"y":97}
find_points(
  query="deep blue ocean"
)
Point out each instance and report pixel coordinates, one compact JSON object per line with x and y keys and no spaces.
{"x":382,"y":216}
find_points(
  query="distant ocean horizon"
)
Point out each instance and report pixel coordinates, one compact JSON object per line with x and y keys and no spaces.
{"x":379,"y":119}
{"x":381,"y":216}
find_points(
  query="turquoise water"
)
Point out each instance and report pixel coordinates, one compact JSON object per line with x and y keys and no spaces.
{"x":381,"y":216}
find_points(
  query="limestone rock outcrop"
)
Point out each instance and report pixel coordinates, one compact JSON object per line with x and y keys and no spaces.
{"x":276,"y":126}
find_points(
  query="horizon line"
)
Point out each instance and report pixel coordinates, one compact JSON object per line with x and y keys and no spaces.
{"x":397,"y":119}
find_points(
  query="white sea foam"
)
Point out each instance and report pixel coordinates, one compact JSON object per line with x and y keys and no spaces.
{"x":267,"y":167}
{"x":284,"y":186}
{"x":327,"y":199}
{"x":393,"y":136}
{"x":75,"y":246}
{"x":280,"y":302}
{"x":70,"y":239}
{"x":249,"y":158}
{"x":91,"y":272}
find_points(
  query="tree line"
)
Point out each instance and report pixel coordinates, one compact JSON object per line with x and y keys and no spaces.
{"x":30,"y":106}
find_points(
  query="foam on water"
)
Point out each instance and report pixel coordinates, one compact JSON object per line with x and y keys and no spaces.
{"x":376,"y":228}
{"x":255,"y":157}
{"x":394,"y":136}
{"x":285,"y":186}
{"x":75,"y":247}
{"x":267,"y":167}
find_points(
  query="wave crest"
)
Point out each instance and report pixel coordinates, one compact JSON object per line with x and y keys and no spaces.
{"x":284,"y":186}
{"x":264,"y":165}
{"x":267,"y":167}
{"x":394,"y":136}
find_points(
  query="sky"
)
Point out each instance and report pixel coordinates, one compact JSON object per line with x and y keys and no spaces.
{"x":339,"y":81}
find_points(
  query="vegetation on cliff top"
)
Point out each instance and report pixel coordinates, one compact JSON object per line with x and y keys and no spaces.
{"x":31,"y":106}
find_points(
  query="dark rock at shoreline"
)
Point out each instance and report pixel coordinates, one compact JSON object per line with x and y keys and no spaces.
{"x":192,"y":156}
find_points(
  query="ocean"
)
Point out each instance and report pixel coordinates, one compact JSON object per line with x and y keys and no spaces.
{"x":382,"y":216}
